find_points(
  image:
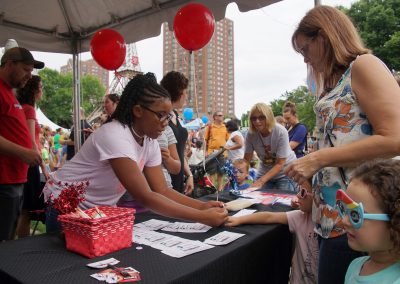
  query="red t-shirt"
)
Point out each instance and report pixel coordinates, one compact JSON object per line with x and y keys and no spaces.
{"x":30,"y":113}
{"x":13,"y":127}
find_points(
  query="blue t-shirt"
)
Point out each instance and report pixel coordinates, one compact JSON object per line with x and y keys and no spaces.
{"x":389,"y":275}
{"x":299,"y":134}
{"x":253,"y":173}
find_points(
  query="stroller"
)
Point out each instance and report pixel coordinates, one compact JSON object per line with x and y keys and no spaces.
{"x":202,"y":184}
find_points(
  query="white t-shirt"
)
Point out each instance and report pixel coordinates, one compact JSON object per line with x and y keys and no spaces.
{"x":238,"y":153}
{"x":111,"y":140}
{"x":269,"y":148}
{"x":305,"y":257}
{"x":167,"y":138}
{"x":196,"y":157}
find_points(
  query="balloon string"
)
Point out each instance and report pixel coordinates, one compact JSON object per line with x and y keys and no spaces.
{"x":195,"y":89}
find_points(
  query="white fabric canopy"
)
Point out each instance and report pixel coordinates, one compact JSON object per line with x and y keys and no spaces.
{"x":43,"y":119}
{"x":66,"y":26}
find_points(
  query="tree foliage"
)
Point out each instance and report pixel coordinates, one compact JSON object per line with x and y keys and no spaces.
{"x":57,"y":101}
{"x":304,"y":104}
{"x":378,"y":22}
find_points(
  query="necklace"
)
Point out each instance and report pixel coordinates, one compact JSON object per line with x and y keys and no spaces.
{"x":135,"y":135}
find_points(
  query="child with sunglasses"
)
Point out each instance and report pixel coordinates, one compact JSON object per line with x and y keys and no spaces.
{"x":370,"y":211}
{"x":305,"y":257}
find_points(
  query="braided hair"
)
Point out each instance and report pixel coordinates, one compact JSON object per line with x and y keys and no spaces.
{"x":26,"y":95}
{"x":141,"y":90}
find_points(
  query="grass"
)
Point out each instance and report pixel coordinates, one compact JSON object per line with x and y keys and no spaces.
{"x":41,"y":228}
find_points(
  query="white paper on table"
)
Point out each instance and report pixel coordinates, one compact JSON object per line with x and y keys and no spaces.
{"x":187,"y":248}
{"x":169,"y":243}
{"x":148,"y":237}
{"x":223,"y":238}
{"x":186,"y":227}
{"x":103,"y":263}
{"x":152,"y":224}
{"x":160,"y":241}
{"x":244,"y":212}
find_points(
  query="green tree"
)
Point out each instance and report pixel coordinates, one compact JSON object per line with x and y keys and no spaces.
{"x":93,"y":92}
{"x":304,"y":104}
{"x":378,"y":23}
{"x":57,"y":101}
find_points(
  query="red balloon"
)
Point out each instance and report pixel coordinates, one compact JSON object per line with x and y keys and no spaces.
{"x":194,"y":26}
{"x":108,"y":49}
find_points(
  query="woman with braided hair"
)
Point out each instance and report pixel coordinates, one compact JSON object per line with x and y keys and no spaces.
{"x":123,"y":155}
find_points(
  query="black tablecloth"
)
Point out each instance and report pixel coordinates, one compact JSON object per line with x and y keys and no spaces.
{"x":262,"y":256}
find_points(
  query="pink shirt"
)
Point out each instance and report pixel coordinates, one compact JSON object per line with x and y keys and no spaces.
{"x":305,"y":257}
{"x":111,"y":140}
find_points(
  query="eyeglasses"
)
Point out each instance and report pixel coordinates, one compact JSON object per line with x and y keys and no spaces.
{"x":304,"y":50}
{"x":259,"y":118}
{"x":347,"y":206}
{"x":302,"y":192}
{"x":161,"y":116}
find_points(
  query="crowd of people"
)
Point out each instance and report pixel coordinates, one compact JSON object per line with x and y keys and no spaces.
{"x":140,"y":156}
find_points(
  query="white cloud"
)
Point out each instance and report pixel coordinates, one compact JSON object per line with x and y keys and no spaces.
{"x":265,"y":64}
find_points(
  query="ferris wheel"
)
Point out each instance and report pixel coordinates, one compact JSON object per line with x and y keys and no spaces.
{"x":127,"y":71}
{"x":122,"y":76}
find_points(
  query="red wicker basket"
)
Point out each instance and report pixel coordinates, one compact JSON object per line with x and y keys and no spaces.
{"x":96,"y":237}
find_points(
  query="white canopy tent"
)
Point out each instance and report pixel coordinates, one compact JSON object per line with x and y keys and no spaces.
{"x":44,"y":120}
{"x":67,"y":26}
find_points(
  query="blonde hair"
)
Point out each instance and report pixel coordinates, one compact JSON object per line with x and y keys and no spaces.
{"x":342,"y":43}
{"x":237,"y":162}
{"x":265,"y":110}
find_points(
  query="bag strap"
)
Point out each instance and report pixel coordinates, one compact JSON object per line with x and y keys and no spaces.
{"x":209,"y":133}
{"x":341,"y":170}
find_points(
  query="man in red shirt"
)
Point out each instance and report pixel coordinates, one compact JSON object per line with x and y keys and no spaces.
{"x":16,"y":150}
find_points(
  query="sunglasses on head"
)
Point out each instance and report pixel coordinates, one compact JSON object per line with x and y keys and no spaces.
{"x":347,"y":206}
{"x":302,"y":192}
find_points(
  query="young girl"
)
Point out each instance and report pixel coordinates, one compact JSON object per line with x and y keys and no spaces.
{"x":123,"y":155}
{"x":370,"y":209}
{"x":305,"y":257}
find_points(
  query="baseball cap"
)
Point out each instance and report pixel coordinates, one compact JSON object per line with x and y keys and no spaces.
{"x":22,"y":55}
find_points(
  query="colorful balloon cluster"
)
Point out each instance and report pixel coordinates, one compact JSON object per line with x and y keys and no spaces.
{"x":194,"y":26}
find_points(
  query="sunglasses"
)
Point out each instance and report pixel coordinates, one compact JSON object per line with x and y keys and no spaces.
{"x":302,"y":192}
{"x":259,"y":118}
{"x":347,"y":206}
{"x":161,"y":116}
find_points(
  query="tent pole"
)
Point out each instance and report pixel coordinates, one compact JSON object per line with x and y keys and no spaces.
{"x":76,"y":96}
